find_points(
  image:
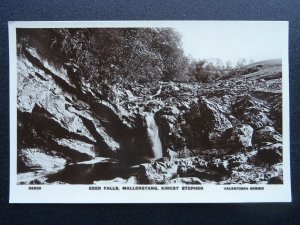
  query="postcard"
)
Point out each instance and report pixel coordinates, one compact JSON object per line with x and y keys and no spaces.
{"x":149,"y":112}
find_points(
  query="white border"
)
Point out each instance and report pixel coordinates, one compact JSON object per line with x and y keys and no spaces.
{"x":82,"y":194}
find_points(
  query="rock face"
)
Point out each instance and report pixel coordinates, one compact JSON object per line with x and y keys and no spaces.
{"x":37,"y":159}
{"x":252,"y":111}
{"x":231,"y":132}
{"x":270,"y":153}
{"x":53,"y":111}
{"x":167,"y":132}
{"x":211,"y":125}
{"x":206,"y":123}
{"x":169,"y":120}
{"x":236,"y":168}
{"x":157,"y":173}
{"x":265,"y":135}
{"x":240,"y":136}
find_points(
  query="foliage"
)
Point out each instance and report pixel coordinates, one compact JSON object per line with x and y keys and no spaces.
{"x":202,"y":71}
{"x":109,"y":55}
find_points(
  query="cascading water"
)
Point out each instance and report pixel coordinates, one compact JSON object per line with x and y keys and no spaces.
{"x":152,"y":130}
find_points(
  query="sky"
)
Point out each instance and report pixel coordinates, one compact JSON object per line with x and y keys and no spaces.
{"x":232,"y":41}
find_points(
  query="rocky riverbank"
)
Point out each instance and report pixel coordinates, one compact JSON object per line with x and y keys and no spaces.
{"x":224,"y":132}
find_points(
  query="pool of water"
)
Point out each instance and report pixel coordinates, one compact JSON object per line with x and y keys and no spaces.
{"x":88,"y":173}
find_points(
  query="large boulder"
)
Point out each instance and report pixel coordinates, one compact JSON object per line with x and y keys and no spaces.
{"x":252,"y":111}
{"x":206,"y":123}
{"x":165,"y":170}
{"x":270,"y":153}
{"x":274,"y":98}
{"x":266,"y":134}
{"x":169,"y":120}
{"x":239,"y":137}
{"x":158,"y":172}
{"x":246,"y":168}
{"x":276,"y":174}
{"x":53,"y":113}
{"x":37,"y":159}
{"x":213,"y":170}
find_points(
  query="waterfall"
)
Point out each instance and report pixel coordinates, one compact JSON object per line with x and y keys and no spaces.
{"x":152,"y":130}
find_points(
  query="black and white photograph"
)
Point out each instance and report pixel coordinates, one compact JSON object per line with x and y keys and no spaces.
{"x":157,"y":106}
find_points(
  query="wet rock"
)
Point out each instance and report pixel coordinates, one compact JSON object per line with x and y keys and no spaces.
{"x":185,"y":153}
{"x":172,"y":154}
{"x":168,"y":120}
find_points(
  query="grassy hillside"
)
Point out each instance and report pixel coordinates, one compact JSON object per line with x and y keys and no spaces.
{"x":267,"y":70}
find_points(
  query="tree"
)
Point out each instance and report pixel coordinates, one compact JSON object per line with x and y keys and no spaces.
{"x":241,"y":63}
{"x":108,"y":54}
{"x":228,"y":65}
{"x":167,"y":43}
{"x":219,"y":65}
{"x":201,"y":71}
